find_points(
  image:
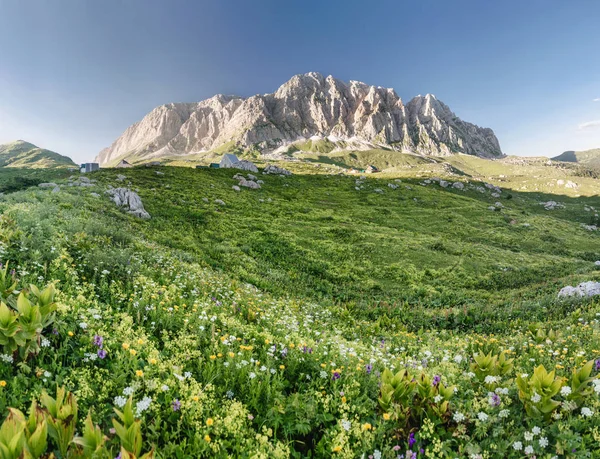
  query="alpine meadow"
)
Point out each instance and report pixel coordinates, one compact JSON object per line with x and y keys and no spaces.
{"x":323,"y":269}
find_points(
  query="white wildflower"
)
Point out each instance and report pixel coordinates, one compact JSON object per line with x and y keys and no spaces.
{"x":120,"y":401}
{"x":482,"y":416}
{"x":565,"y":391}
{"x":458,"y":417}
{"x":517,"y":446}
{"x":529,"y":450}
{"x":543,"y":441}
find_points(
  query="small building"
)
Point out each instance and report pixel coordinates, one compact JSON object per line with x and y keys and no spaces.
{"x":123,"y":164}
{"x":228,"y":160}
{"x":371,"y":169}
{"x":89,"y":167}
{"x":214,"y":165}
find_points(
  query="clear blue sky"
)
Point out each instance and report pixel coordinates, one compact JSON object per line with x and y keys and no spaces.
{"x":74,"y":74}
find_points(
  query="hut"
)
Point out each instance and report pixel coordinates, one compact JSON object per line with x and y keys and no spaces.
{"x":89,"y":167}
{"x":123,"y":164}
{"x":228,"y":160}
{"x":214,"y":165}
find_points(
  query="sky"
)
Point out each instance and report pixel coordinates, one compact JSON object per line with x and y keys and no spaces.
{"x":74,"y":74}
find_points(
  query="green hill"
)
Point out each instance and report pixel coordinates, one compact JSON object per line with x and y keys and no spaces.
{"x":268,"y":323}
{"x":21,"y":154}
{"x":587,"y":158}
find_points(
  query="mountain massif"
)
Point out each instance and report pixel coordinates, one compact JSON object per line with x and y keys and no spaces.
{"x":311,"y":107}
{"x":26,"y":155}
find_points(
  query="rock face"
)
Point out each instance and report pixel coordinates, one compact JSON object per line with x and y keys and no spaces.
{"x":129,"y":201}
{"x":307,"y":107}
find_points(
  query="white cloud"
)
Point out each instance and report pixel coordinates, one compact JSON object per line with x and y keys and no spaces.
{"x":589,"y":125}
{"x":597,"y":99}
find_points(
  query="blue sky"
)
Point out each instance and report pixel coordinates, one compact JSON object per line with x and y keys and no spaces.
{"x":74,"y":74}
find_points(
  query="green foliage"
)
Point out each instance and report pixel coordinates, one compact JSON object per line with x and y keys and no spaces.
{"x":537,"y":392}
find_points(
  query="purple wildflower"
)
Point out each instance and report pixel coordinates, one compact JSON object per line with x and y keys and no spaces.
{"x":101,"y":353}
{"x":176,"y":405}
{"x":98,"y":340}
{"x":597,"y":365}
{"x":119,"y":456}
{"x":396,"y":448}
{"x":369,"y":368}
{"x":495,"y":400}
{"x":436,"y":380}
{"x":336,"y":375}
{"x":55,"y":331}
{"x":411,"y":440}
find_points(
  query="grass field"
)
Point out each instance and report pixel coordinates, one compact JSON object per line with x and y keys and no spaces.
{"x":271,"y":326}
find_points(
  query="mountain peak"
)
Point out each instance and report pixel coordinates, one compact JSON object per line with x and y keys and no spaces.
{"x":308,"y":105}
{"x":23,"y":154}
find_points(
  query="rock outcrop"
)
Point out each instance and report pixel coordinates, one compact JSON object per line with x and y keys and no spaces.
{"x":307,"y":107}
{"x":129,"y":201}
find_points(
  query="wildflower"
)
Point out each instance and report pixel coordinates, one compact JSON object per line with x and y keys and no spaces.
{"x":517,"y":446}
{"x":369,"y":368}
{"x":386,"y":416}
{"x":543,"y":441}
{"x":164,"y":388}
{"x":376,"y":454}
{"x":489,"y":379}
{"x":45,"y":342}
{"x":367,"y":426}
{"x":139,"y":373}
{"x":565,"y":391}
{"x":101,"y":353}
{"x":503,"y":413}
{"x":98,"y":341}
{"x":397,"y":448}
{"x":337,"y":449}
{"x":528,"y":436}
{"x":528,"y":450}
{"x":458,"y":417}
{"x":3,"y":383}
{"x":482,"y":416}
{"x":536,"y":430}
{"x":586,"y":412}
{"x":152,"y":361}
{"x":132,"y":351}
{"x":120,"y":401}
{"x":83,"y":325}
{"x":336,"y":375}
{"x":231,"y":354}
{"x":207,"y":438}
{"x":438,"y":398}
{"x":494,"y":399}
{"x":125,"y":346}
{"x":436,"y":380}
{"x":346,"y":425}
{"x":6,"y":358}
{"x":282,"y":367}
{"x":229,"y":394}
{"x":535,"y":398}
{"x":213,"y":357}
{"x":210,"y":422}
{"x":252,"y":375}
{"x":143,"y":405}
{"x":411,"y":440}
{"x":140,"y":341}
{"x":250,"y":417}
{"x":70,"y":333}
{"x":176,"y":405}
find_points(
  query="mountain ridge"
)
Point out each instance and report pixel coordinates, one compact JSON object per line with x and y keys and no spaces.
{"x":351,"y":115}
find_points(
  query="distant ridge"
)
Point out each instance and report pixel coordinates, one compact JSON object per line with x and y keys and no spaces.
{"x":327,"y":113}
{"x":27,"y":155}
{"x":585,"y":158}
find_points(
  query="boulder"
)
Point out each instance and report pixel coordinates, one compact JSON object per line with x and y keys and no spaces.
{"x":273,"y":169}
{"x":236,"y":188}
{"x":444,"y":184}
{"x":587,"y":289}
{"x":458,"y":185}
{"x":250,"y":184}
{"x":120,"y":178}
{"x":219,"y":202}
{"x":128,"y":200}
{"x":245,"y":166}
{"x":56,"y":189}
{"x":48,"y":185}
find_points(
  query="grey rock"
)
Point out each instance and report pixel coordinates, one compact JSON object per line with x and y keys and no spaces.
{"x":219,"y":202}
{"x":458,"y":185}
{"x":129,"y":201}
{"x":236,"y":188}
{"x":56,"y":189}
{"x":48,"y":185}
{"x":273,"y":169}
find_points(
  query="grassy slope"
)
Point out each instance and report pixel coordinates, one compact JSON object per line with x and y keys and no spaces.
{"x":319,"y":238}
{"x":587,"y":157}
{"x":21,"y":154}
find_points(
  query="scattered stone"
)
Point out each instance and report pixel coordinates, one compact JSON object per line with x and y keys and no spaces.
{"x":120,"y":178}
{"x":205,"y":200}
{"x":236,"y":188}
{"x":252,"y":177}
{"x":378,"y":190}
{"x":129,"y":200}
{"x":444,"y":184}
{"x":159,"y":173}
{"x":48,"y":185}
{"x":56,"y":189}
{"x":392,"y":186}
{"x":96,"y":195}
{"x":597,"y":263}
{"x":260,"y":182}
{"x":458,"y":185}
{"x":273,"y":169}
{"x":480,"y":189}
{"x":499,"y":205}
{"x":219,"y":202}
{"x":589,"y":227}
{"x":588,"y":289}
{"x":245,"y":166}
{"x":551,"y":205}
{"x":495,"y":195}
{"x":250,"y":184}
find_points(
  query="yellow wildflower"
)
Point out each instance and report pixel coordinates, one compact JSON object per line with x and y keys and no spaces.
{"x":139,"y":373}
{"x":210,"y":422}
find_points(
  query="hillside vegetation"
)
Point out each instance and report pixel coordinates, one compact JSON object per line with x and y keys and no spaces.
{"x":587,"y":157}
{"x":320,"y":316}
{"x":22,"y":154}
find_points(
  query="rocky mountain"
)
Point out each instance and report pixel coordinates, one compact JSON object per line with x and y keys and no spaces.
{"x":26,"y":155}
{"x":350,"y":115}
{"x":585,"y":158}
